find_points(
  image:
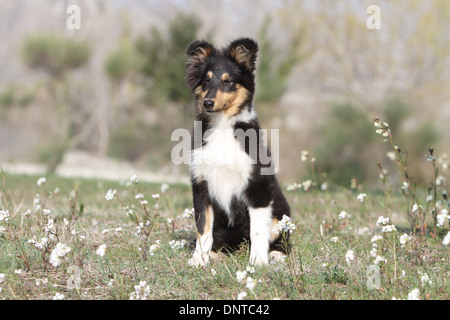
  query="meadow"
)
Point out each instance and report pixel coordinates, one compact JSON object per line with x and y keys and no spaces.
{"x":79,"y":239}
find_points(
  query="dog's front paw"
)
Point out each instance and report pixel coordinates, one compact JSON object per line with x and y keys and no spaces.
{"x":198,"y":260}
{"x":258,"y":259}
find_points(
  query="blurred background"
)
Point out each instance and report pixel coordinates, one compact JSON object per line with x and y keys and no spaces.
{"x":106,"y":96}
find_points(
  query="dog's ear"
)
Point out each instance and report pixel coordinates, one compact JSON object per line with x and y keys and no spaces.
{"x":243,"y":51}
{"x":197,"y":53}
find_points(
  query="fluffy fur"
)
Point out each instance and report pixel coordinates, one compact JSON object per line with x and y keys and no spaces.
{"x":233,"y":201}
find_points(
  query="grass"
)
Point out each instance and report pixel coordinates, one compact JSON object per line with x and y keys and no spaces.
{"x":140,"y":261}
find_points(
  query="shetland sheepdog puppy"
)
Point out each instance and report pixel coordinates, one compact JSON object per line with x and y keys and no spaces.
{"x":236,"y":195}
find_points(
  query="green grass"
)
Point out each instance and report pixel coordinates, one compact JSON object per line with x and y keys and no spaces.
{"x":316,"y":268}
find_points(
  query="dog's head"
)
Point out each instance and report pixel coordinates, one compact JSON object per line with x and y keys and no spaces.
{"x":222,"y":80}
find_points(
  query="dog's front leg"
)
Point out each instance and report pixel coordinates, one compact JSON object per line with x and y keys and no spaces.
{"x":204,"y":220}
{"x":204,"y":237}
{"x":260,"y":234}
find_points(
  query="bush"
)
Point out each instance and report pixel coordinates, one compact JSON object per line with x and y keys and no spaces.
{"x":344,"y":149}
{"x":53,"y":54}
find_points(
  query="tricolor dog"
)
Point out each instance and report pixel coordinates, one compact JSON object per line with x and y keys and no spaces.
{"x":235,"y":193}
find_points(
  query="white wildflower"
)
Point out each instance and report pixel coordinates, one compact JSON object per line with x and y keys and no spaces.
{"x":4,"y":215}
{"x":307,"y":184}
{"x":376,"y":238}
{"x":59,"y":296}
{"x":164,"y":187}
{"x":101,"y":250}
{"x":414,"y":294}
{"x":442,"y":217}
{"x":155,"y":196}
{"x":110,"y":194}
{"x":176,"y":244}
{"x":404,"y":238}
{"x":440,"y":180}
{"x":425,"y":279}
{"x":361,"y":197}
{"x":188,"y":213}
{"x":250,"y":269}
{"x":250,"y":283}
{"x":58,"y":252}
{"x":405,"y":185}
{"x":388,"y":228}
{"x":379,"y":259}
{"x":416,"y":207}
{"x":285,"y":225}
{"x":242,"y":295}
{"x":349,"y":256}
{"x":141,"y":291}
{"x":382,"y":221}
{"x":154,"y":247}
{"x":41,"y":181}
{"x":334,"y":239}
{"x":133,"y":179}
{"x":343,"y":214}
{"x":240,"y":275}
{"x":293,"y":187}
{"x":305,"y":155}
{"x":391,"y":155}
{"x":446,"y":240}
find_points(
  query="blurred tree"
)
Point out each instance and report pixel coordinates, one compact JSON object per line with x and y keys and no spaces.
{"x":121,"y":67}
{"x":275,"y":63}
{"x":164,"y":59}
{"x":56,"y":56}
{"x":344,"y":149}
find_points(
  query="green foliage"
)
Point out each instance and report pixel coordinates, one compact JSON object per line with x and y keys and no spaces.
{"x":164,"y":58}
{"x":135,"y":140}
{"x":345,"y":138}
{"x":54,"y":55}
{"x":123,"y":62}
{"x":13,"y":96}
{"x":395,"y":112}
{"x":275,"y":64}
{"x":336,"y":274}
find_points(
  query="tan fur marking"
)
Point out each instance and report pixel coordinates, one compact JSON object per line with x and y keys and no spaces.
{"x":241,"y":55}
{"x":273,"y":235}
{"x":240,"y":95}
{"x":207,"y":226}
{"x":225,"y":76}
{"x":209,"y":74}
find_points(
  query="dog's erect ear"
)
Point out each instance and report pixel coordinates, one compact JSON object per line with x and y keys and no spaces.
{"x":244,"y":51}
{"x":197,"y":53}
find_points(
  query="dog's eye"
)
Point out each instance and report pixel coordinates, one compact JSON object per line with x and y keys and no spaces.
{"x":227,"y":81}
{"x":207,"y":80}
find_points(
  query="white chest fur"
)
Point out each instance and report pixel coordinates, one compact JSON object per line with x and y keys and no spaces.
{"x":222,"y":163}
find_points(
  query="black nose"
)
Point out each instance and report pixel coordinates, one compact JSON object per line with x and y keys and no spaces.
{"x":208,"y":104}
